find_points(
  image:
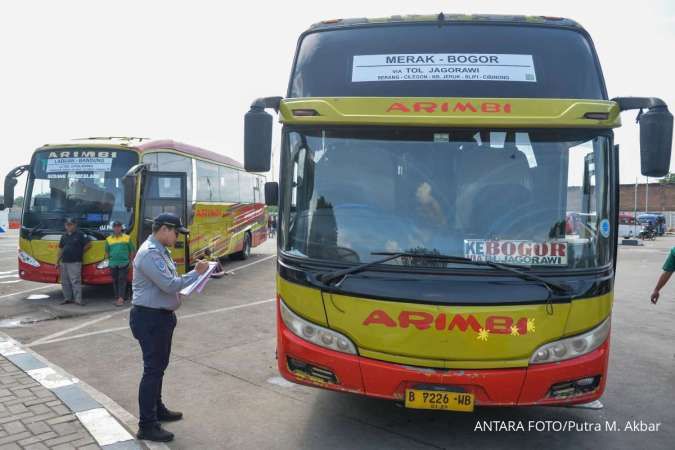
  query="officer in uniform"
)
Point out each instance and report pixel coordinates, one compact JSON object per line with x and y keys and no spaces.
{"x":156,"y":287}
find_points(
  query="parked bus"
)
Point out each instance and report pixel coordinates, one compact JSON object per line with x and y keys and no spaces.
{"x":427,"y":167}
{"x":101,"y":180}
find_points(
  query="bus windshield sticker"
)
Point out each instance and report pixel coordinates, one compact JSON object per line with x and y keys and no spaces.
{"x":441,"y":137}
{"x":444,"y":67}
{"x":79,"y":165}
{"x":517,"y":252}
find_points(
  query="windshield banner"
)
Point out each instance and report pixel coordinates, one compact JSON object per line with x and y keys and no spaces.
{"x":79,"y":165}
{"x":444,"y":66}
{"x":517,"y":252}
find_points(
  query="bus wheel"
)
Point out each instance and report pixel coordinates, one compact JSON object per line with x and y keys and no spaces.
{"x":246,"y":251}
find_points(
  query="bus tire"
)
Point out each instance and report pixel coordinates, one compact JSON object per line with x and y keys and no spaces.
{"x":246,"y":251}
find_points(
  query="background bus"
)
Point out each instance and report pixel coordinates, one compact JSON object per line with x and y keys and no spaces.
{"x":100,"y":180}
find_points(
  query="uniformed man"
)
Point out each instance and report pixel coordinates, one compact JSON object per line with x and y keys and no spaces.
{"x":156,"y":287}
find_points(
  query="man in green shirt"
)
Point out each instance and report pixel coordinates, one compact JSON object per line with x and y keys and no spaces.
{"x":118,"y":250}
{"x":668,"y":269}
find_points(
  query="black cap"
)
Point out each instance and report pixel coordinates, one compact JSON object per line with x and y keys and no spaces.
{"x":117,"y":223}
{"x":170,"y":220}
{"x":71,"y":220}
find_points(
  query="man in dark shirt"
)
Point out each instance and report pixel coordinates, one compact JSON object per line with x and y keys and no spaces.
{"x":72,"y":246}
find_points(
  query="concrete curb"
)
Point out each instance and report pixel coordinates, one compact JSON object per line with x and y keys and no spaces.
{"x":104,"y":419}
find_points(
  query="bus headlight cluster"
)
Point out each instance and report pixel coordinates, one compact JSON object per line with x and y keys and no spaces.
{"x":27,"y":259}
{"x":572,"y":347}
{"x":316,"y":334}
{"x":103,"y":264}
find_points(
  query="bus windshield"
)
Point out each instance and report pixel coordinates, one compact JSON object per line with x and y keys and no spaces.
{"x":82,"y":183}
{"x":536,"y":198}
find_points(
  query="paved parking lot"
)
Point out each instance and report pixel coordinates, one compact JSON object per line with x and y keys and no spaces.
{"x":223,"y":370}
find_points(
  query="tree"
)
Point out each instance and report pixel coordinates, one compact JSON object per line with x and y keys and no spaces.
{"x":18,"y":202}
{"x":668,"y":179}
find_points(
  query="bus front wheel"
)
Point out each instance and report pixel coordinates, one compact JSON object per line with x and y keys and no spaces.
{"x":246,"y":250}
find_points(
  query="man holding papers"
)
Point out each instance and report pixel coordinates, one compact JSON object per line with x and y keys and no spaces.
{"x":156,"y":295}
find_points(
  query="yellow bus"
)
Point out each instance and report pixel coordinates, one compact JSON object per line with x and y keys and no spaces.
{"x":428,"y":165}
{"x":100,"y":180}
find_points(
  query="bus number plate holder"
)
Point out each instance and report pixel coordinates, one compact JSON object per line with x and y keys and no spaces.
{"x":444,"y":400}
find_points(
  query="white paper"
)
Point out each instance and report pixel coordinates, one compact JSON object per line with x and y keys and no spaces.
{"x":203,"y":278}
{"x":444,"y":67}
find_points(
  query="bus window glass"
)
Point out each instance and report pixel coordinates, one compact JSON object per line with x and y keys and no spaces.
{"x":229,"y":184}
{"x":208,"y":182}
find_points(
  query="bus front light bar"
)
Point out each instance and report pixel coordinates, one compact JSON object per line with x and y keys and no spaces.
{"x":316,"y":334}
{"x":572,"y":347}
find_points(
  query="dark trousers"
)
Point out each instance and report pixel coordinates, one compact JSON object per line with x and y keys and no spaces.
{"x":154,"y":330}
{"x":119,"y":278}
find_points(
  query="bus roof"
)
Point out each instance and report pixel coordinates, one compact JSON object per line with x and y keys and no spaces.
{"x":463,"y":18}
{"x":146,"y":145}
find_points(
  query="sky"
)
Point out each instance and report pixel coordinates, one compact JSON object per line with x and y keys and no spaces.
{"x":189,"y":70}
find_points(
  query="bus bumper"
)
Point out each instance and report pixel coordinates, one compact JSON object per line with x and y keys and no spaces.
{"x":49,"y":273}
{"x":305,"y":363}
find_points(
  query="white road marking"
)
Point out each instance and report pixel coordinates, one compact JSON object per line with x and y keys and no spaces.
{"x":50,"y":378}
{"x":10,"y":347}
{"x":8,"y":272}
{"x":75,"y":328}
{"x":105,"y":429}
{"x":280,"y":381}
{"x":47,"y":286}
{"x":10,"y":282}
{"x":254,"y":262}
{"x":44,"y":341}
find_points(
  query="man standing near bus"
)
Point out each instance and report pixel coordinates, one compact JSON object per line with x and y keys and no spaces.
{"x":118,"y":251}
{"x":156,"y":287}
{"x":668,"y":269}
{"x":69,"y":261}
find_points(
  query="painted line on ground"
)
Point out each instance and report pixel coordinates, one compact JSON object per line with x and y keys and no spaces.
{"x":43,"y":341}
{"x":75,"y":328}
{"x":47,"y":286}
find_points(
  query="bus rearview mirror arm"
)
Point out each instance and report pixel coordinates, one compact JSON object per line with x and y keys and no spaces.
{"x":258,"y":134}
{"x":129,"y":184}
{"x":656,"y":133}
{"x":10,"y":183}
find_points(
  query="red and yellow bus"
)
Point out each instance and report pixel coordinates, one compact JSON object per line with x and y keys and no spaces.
{"x":427,"y":168}
{"x":132,"y":180}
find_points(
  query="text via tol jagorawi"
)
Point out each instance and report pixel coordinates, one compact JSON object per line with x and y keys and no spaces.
{"x":636,"y":426}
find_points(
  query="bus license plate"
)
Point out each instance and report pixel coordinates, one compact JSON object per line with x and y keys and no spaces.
{"x":440,"y":400}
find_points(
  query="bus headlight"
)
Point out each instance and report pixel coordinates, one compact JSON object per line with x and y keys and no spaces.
{"x":103,"y":264}
{"x":27,"y":259}
{"x":572,"y":347}
{"x":316,"y":334}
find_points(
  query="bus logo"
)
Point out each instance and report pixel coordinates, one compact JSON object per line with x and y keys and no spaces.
{"x":455,"y":107}
{"x":423,"y":320}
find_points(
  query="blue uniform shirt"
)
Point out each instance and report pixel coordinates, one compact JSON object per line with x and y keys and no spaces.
{"x":156,"y":283}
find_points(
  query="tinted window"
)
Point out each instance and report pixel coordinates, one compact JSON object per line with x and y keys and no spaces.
{"x":563,"y":61}
{"x":208,"y":182}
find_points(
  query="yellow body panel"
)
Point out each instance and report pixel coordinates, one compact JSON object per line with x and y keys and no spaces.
{"x":455,"y":112}
{"x":458,"y":337}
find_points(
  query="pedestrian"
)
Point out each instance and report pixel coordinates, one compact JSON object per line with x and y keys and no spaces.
{"x":119,"y":250}
{"x":668,"y":269}
{"x":72,"y":246}
{"x":156,"y":287}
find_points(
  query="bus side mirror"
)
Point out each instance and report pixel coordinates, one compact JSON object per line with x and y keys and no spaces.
{"x":129,"y":192}
{"x":257,"y":140}
{"x":258,"y":134}
{"x":272,"y":193}
{"x":656,"y":137}
{"x":10,"y":182}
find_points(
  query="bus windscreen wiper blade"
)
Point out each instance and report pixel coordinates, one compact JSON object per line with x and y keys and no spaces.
{"x":503,"y":267}
{"x":328,"y":277}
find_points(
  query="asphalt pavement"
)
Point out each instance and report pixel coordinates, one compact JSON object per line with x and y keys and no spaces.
{"x":223,"y":371}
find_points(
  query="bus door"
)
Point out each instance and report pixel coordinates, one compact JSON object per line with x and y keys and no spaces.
{"x":165,"y":192}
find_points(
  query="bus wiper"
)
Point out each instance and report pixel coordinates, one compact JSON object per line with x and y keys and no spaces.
{"x":328,"y":277}
{"x":499,"y":266}
{"x":34,"y":229}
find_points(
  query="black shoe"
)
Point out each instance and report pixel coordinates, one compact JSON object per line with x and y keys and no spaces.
{"x":166,"y":415}
{"x":154,"y":433}
{"x":66,"y":302}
